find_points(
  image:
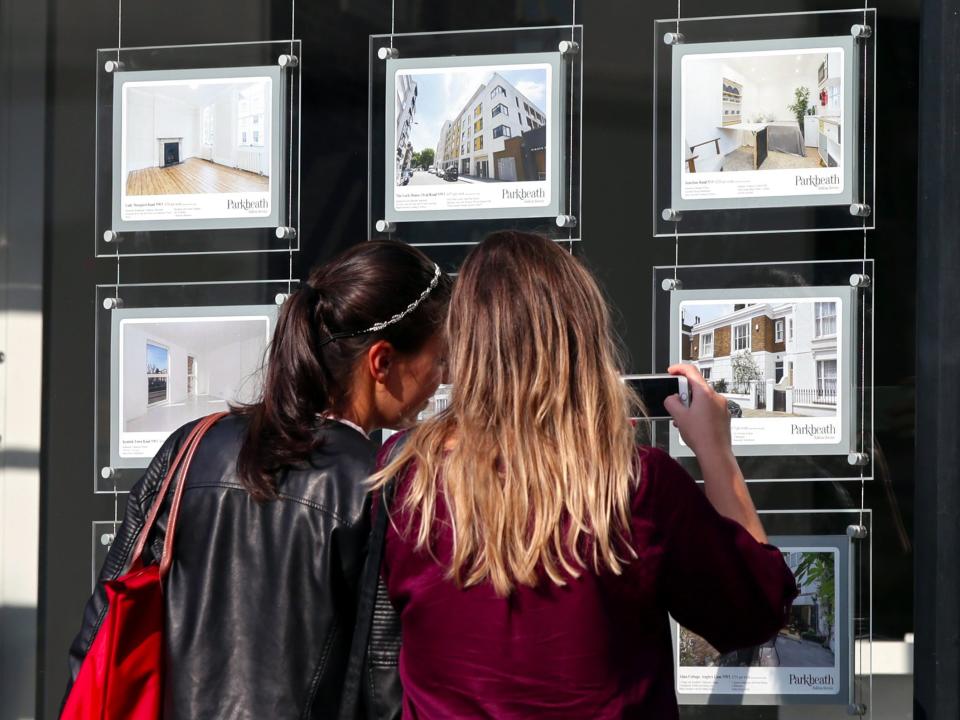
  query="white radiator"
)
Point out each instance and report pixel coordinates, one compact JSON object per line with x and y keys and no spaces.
{"x":251,"y":160}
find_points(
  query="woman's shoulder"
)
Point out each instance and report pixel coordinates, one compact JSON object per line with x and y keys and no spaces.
{"x":659,"y":479}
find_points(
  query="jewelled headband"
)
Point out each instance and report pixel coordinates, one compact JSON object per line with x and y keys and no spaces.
{"x":377,"y":327}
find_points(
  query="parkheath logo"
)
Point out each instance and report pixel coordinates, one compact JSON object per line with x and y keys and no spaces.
{"x":811,"y":680}
{"x":245,"y":204}
{"x":817,"y":180}
{"x":521,"y":194}
{"x":812,"y":429}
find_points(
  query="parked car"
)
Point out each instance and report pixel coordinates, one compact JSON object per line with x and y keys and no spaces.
{"x":451,"y":174}
{"x":432,"y":169}
{"x":405,"y":176}
{"x":734,"y":408}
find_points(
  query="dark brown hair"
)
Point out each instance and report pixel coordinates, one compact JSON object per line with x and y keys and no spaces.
{"x":369,"y":283}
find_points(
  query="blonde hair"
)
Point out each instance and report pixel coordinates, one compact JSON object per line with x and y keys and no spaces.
{"x":535,"y":456}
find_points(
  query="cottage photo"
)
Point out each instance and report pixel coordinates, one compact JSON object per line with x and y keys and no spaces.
{"x":196,"y":148}
{"x":803,"y":658}
{"x":762,"y":123}
{"x":470,"y":137}
{"x":173,"y":369}
{"x":779,"y":362}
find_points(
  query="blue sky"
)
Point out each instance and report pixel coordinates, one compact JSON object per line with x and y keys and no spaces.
{"x":441,"y":96}
{"x":157,"y":357}
{"x":706,"y":311}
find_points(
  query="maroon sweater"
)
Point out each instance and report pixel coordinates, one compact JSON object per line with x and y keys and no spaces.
{"x":599,"y":647}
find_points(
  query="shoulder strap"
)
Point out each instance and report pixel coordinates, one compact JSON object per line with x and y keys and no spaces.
{"x":181,"y":463}
{"x":350,"y":700}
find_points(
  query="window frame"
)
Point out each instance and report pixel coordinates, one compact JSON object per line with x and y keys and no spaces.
{"x":733,"y":336}
{"x":703,"y":343}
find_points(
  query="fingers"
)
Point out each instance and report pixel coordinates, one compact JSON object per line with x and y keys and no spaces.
{"x":690,"y":373}
{"x":674,"y":405}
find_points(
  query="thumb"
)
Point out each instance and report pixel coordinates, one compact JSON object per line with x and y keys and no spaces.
{"x":675,"y":406}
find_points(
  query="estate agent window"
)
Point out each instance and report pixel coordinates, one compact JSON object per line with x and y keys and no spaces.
{"x":706,"y":344}
{"x":824,"y":319}
{"x":741,"y":337}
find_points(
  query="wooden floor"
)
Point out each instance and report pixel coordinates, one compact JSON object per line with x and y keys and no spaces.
{"x":194,"y":176}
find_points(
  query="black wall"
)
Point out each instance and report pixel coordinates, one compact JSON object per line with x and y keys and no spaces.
{"x":616,"y":206}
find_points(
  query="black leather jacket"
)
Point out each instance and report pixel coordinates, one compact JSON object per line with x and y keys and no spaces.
{"x":261,"y":597}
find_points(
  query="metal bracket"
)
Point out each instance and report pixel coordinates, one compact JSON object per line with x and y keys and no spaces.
{"x":861,"y":32}
{"x":107,"y":539}
{"x":671,"y":215}
{"x":108,"y":472}
{"x":857,"y":532}
{"x":285,"y":232}
{"x":112,"y":66}
{"x":388,"y":53}
{"x":281,"y":298}
{"x":110,"y":236}
{"x":673,"y":38}
{"x":385,"y":226}
{"x":288,"y":62}
{"x":112,"y":303}
{"x":858,"y":459}
{"x":670,"y":284}
{"x":566,"y":221}
{"x":859,"y":280}
{"x":568,"y":48}
{"x":860,"y":210}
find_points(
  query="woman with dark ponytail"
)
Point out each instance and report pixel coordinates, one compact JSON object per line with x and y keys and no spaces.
{"x":260,"y":599}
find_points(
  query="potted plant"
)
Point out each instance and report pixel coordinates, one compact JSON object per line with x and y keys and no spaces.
{"x":801,"y":100}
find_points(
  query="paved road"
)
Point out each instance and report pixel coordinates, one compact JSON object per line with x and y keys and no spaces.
{"x":425,"y":178}
{"x":802,"y":653}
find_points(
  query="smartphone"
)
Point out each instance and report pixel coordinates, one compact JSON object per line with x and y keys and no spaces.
{"x":654,"y":389}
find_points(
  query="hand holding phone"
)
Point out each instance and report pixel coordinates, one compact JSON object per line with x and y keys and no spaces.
{"x":653,"y":390}
{"x":704,"y":419}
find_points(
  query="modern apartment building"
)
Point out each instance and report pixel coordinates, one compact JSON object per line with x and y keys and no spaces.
{"x":477,"y":139}
{"x":406,"y":109}
{"x":793,"y":344}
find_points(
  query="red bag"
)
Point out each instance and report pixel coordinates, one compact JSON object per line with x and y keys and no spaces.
{"x":121,"y":677}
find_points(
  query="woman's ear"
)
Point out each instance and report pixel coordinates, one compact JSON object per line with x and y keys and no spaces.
{"x":380,"y":357}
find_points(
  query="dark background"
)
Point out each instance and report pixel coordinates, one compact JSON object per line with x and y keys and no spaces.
{"x":617,"y":242}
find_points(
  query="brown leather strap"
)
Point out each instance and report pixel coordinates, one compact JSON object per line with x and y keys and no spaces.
{"x":136,"y":557}
{"x":174,"y":513}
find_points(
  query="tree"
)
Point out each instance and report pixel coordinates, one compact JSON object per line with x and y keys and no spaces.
{"x":801,"y":101}
{"x":427,"y":156}
{"x":745,"y":370}
{"x":817,"y":569}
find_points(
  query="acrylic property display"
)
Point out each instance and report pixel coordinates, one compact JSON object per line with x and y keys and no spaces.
{"x":790,"y":346}
{"x":764,"y":123}
{"x":168,"y":354}
{"x":468,"y":129}
{"x":198,"y":149}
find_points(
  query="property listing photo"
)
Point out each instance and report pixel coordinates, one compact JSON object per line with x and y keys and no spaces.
{"x":195,"y":147}
{"x":762,"y":111}
{"x":764,"y":122}
{"x":769,"y":359}
{"x":807,"y":661}
{"x":471,"y":125}
{"x":473,"y":137}
{"x":176,"y":368}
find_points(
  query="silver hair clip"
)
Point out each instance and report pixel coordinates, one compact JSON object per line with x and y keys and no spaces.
{"x":377,"y":327}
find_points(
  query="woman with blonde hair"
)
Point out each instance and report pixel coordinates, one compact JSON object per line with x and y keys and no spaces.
{"x":535,"y":551}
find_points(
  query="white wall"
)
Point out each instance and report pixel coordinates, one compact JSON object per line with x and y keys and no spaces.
{"x":141,"y":140}
{"x":225,"y":123}
{"x":702,"y":88}
{"x":775,"y":92}
{"x":227,"y":370}
{"x":133,"y":372}
{"x":151,"y":116}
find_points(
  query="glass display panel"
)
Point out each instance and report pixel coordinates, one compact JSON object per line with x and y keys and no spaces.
{"x":513,"y":153}
{"x":763,"y":123}
{"x":790,"y":347}
{"x":197,"y":149}
{"x":820,"y":656}
{"x":171,"y":354}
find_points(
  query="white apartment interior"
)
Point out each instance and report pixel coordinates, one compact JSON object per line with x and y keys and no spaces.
{"x":197,"y":137}
{"x":728,"y":100}
{"x":173,"y":372}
